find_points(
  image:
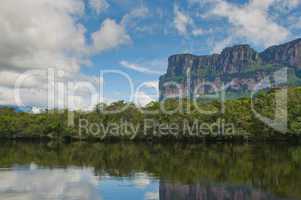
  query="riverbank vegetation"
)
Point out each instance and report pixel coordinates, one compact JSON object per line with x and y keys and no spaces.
{"x":171,"y":120}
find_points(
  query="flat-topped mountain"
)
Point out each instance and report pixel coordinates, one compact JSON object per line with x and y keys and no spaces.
{"x":240,"y":65}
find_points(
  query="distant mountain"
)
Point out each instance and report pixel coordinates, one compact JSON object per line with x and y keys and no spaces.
{"x":239,"y":65}
{"x":17,"y":108}
{"x":26,"y":109}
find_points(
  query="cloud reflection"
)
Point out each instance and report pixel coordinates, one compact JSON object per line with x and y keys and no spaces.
{"x":58,"y":184}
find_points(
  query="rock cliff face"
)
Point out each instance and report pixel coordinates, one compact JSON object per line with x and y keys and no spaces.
{"x":289,"y":53}
{"x":239,"y":67}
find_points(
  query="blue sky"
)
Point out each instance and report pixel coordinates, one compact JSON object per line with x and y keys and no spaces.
{"x":199,"y":27}
{"x":84,"y":37}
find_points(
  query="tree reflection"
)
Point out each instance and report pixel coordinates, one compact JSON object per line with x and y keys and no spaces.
{"x":175,"y":191}
{"x":273,"y":169}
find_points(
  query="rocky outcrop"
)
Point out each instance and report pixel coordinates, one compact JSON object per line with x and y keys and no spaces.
{"x":289,"y":53}
{"x":234,"y":59}
{"x":240,"y":66}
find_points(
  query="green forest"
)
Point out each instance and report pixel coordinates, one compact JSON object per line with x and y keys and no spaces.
{"x":184,"y":117}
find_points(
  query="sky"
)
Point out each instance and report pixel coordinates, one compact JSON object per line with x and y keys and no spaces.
{"x":119,"y":48}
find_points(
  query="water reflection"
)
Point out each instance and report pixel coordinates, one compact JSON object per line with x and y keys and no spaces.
{"x":39,"y":184}
{"x":216,"y":192}
{"x":140,"y":171}
{"x":28,"y":183}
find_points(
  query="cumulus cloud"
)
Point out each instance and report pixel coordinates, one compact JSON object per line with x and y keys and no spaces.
{"x":138,"y":67}
{"x":185,"y":25}
{"x":220,"y":45}
{"x":8,"y":79}
{"x":131,"y":19}
{"x":197,"y":32}
{"x":152,"y":84}
{"x":38,"y":88}
{"x":181,"y":21}
{"x":285,"y":5}
{"x":143,"y":95}
{"x":29,"y":39}
{"x":54,"y":184}
{"x":110,"y":35}
{"x":38,"y":35}
{"x":99,"y":5}
{"x":142,"y":98}
{"x":251,"y":21}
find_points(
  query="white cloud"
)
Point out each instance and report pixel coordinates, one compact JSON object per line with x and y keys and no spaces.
{"x":294,"y":3}
{"x":25,"y":25}
{"x":181,"y":21}
{"x":197,"y":32}
{"x":110,"y":35}
{"x":251,"y":21}
{"x":99,"y":5}
{"x":285,"y":5}
{"x":220,"y":45}
{"x":73,"y":91}
{"x":36,"y":110}
{"x":185,"y":25}
{"x":152,"y":84}
{"x":138,"y":67}
{"x":54,"y":184}
{"x":42,"y":34}
{"x":8,"y":79}
{"x":130,"y":20}
{"x":143,"y":97}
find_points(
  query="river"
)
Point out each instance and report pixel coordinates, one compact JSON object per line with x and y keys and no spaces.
{"x":96,"y":171}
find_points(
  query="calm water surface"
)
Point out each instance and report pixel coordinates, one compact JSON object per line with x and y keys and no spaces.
{"x":151,"y":172}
